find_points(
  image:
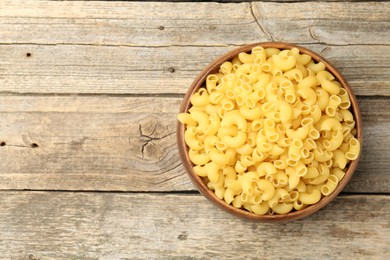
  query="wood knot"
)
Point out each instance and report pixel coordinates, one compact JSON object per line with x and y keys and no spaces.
{"x":183,"y":236}
{"x":32,"y":257}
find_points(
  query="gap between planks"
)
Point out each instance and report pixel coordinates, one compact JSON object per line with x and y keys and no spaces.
{"x":194,"y":192}
{"x":124,"y":95}
{"x":182,"y":45}
{"x":135,"y":95}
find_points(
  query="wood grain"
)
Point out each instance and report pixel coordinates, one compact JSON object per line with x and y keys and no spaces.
{"x":129,"y":144}
{"x":57,"y":225}
{"x":78,"y":42}
{"x":162,"y":70}
{"x":139,"y":23}
{"x":89,"y":91}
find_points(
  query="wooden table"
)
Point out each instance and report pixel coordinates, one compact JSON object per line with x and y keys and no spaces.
{"x":89,"y":92}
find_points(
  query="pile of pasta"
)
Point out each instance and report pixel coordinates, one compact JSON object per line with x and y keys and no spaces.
{"x":271,"y":132}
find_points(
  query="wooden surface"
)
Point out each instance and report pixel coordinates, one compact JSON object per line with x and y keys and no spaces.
{"x":64,"y":225}
{"x":89,"y":167}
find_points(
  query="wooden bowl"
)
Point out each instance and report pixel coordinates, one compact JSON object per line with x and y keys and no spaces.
{"x":209,"y":194}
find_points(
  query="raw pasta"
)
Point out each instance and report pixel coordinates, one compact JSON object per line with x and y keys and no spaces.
{"x":271,"y":132}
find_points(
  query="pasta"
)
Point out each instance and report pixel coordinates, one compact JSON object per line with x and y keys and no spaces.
{"x":271,"y":132}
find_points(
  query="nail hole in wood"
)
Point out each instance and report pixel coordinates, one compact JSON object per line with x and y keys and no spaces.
{"x":2,"y":144}
{"x":161,"y":27}
{"x":28,"y":54}
{"x":34,"y":145}
{"x":171,"y":70}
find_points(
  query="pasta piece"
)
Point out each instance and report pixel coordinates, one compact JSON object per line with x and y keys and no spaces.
{"x":260,"y":209}
{"x":271,"y":51}
{"x":334,"y":102}
{"x":220,"y":192}
{"x":312,"y":173}
{"x":293,"y":178}
{"x":310,"y":198}
{"x":283,"y":208}
{"x":354,"y":149}
{"x":200,"y":170}
{"x":316,"y":67}
{"x":246,"y":58}
{"x":226,"y":67}
{"x":309,"y":96}
{"x":219,"y":158}
{"x":250,"y":113}
{"x":228,"y":196}
{"x":339,"y":173}
{"x":279,"y":195}
{"x":191,"y":140}
{"x":209,"y":143}
{"x":335,"y":140}
{"x":322,"y":177}
{"x":213,"y":171}
{"x":322,"y":98}
{"x":294,"y":74}
{"x":246,"y":149}
{"x":330,"y":185}
{"x":185,"y":118}
{"x":284,"y":61}
{"x":298,"y":205}
{"x":308,"y":82}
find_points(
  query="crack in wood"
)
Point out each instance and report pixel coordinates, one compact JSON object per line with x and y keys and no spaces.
{"x":17,"y":145}
{"x":324,"y":50}
{"x":168,"y":179}
{"x":190,"y":45}
{"x":269,"y":35}
{"x":148,"y":138}
{"x":312,"y":35}
{"x":122,"y":45}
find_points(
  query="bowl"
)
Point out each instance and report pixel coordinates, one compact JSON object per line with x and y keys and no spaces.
{"x":209,"y":194}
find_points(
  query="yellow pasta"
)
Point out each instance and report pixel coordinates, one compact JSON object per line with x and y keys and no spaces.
{"x":261,"y":208}
{"x":322,"y":98}
{"x":271,"y":131}
{"x":310,"y":198}
{"x":345,"y":102}
{"x":308,"y":95}
{"x":354,"y":149}
{"x":330,"y":185}
{"x":334,"y":102}
{"x":308,"y":82}
{"x":294,"y":74}
{"x":284,"y":61}
{"x":218,"y":157}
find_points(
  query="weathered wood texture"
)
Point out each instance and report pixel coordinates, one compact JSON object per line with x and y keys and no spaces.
{"x":129,"y":144}
{"x":119,"y":70}
{"x":42,"y":225}
{"x":138,"y":23}
{"x":129,"y":47}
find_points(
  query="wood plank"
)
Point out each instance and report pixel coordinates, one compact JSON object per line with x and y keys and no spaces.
{"x":48,"y":225}
{"x":156,"y":24}
{"x":128,"y":144}
{"x":114,"y":70}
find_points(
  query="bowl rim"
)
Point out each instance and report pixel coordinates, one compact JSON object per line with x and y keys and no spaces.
{"x":209,"y":194}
